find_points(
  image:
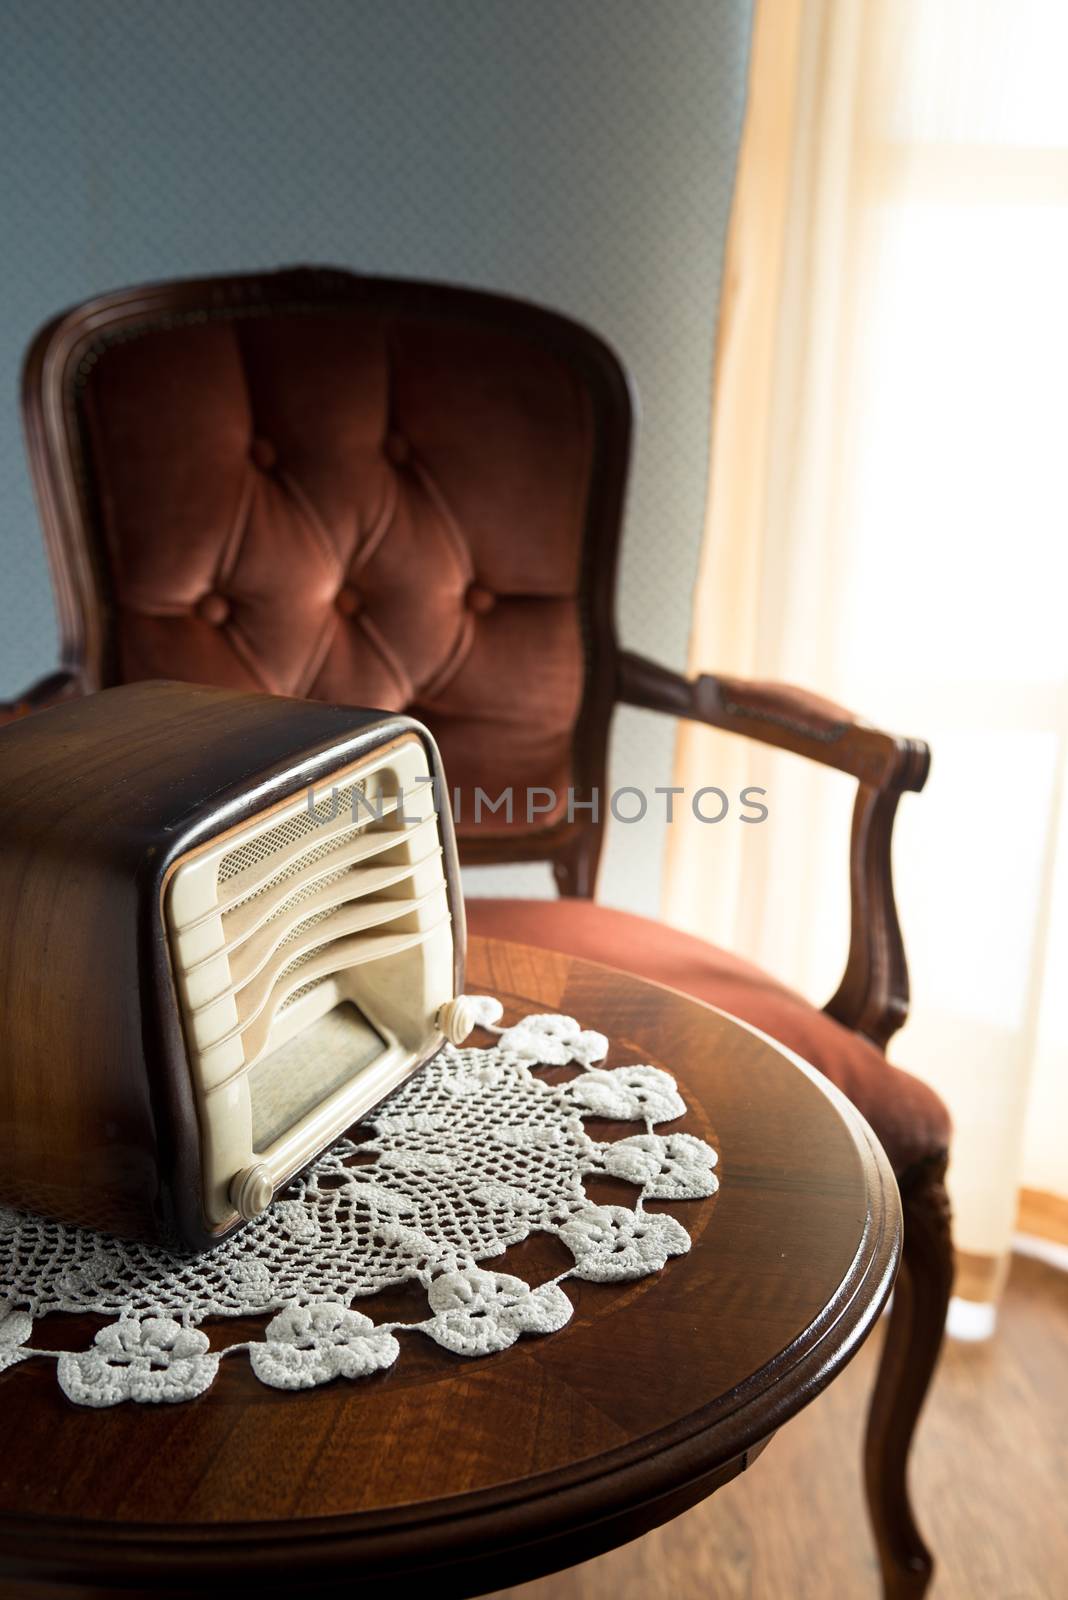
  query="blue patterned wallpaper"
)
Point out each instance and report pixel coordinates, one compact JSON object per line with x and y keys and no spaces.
{"x":577,"y":152}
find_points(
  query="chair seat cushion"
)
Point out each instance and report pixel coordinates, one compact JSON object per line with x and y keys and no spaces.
{"x":907,"y":1115}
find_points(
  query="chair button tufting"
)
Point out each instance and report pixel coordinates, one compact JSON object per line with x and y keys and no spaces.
{"x":397,"y":448}
{"x":347,"y":600}
{"x":480,"y":600}
{"x":263,"y":453}
{"x":213,"y":608}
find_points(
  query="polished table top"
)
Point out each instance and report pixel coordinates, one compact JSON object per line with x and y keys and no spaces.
{"x":472,"y":1475}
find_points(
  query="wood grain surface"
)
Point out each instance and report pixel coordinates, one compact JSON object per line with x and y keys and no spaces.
{"x":469,"y":1475}
{"x":989,"y":1469}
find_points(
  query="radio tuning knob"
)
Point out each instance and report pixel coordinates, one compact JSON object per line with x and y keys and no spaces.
{"x":456,"y":1018}
{"x":251,"y":1191}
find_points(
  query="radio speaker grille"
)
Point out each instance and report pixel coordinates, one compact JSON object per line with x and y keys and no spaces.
{"x":337,"y":899}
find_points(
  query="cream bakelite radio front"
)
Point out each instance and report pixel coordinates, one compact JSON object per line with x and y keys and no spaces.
{"x":266,"y":939}
{"x":313,"y":952}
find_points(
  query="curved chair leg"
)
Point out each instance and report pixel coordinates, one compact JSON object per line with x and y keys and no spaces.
{"x":913,"y":1340}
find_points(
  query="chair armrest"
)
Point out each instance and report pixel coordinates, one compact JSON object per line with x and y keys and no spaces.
{"x":775,"y":713}
{"x":45,"y":692}
{"x":873,"y":995}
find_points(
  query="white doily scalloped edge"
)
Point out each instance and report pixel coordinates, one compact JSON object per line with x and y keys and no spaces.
{"x":450,"y":1165}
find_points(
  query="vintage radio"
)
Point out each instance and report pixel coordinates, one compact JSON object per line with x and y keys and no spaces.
{"x":230,"y":924}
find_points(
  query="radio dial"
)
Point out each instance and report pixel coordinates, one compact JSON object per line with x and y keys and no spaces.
{"x":457,"y":1018}
{"x":252,"y":1192}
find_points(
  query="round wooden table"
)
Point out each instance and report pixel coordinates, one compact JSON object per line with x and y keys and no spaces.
{"x":472,"y":1475}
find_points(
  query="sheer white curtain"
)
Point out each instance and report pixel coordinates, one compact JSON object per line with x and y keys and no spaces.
{"x":888,"y":523}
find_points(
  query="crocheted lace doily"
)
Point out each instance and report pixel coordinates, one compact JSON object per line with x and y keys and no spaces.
{"x":470,"y":1156}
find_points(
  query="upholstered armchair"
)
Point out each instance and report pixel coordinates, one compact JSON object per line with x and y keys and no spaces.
{"x":410,"y":496}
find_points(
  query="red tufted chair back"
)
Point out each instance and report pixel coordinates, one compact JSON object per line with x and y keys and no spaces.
{"x":358,"y":490}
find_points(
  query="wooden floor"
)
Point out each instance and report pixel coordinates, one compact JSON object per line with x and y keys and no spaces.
{"x":990,"y":1475}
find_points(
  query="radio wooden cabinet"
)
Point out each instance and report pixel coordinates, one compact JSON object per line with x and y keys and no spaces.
{"x":230,"y":924}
